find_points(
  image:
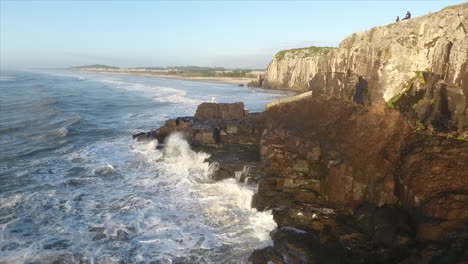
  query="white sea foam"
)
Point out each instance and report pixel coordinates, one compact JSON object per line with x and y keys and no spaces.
{"x":161,"y":205}
{"x":156,"y":93}
{"x":104,"y":198}
{"x":62,"y":132}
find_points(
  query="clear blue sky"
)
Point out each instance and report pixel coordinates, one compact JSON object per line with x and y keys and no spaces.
{"x":167,"y":33}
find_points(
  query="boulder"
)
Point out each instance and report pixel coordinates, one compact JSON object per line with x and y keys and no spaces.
{"x":220,"y":111}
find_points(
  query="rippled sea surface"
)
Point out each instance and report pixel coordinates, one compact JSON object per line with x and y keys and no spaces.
{"x":75,"y":187}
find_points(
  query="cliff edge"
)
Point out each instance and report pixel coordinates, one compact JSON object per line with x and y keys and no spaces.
{"x":428,"y":54}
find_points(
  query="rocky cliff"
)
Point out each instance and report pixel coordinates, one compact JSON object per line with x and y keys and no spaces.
{"x":402,"y":193}
{"x":346,"y":183}
{"x":386,"y":61}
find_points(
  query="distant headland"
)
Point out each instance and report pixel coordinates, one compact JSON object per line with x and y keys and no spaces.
{"x":191,"y":73}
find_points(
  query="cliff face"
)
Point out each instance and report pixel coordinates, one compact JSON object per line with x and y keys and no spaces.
{"x":346,"y":183}
{"x":364,"y":179}
{"x":382,"y":62}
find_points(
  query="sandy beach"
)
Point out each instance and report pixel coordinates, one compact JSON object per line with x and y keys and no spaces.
{"x":164,"y":74}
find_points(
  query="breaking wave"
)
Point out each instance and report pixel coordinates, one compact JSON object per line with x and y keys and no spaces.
{"x":75,"y":188}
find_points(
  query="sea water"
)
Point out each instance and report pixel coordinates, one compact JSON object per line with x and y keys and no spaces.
{"x":75,"y":187}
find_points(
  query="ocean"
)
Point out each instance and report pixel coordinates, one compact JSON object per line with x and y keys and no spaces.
{"x":75,"y":187}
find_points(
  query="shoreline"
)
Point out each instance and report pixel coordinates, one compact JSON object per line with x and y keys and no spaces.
{"x":219,"y":80}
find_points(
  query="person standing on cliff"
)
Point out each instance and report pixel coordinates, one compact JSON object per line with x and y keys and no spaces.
{"x":397,"y":18}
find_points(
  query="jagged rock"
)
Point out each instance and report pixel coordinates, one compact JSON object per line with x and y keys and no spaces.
{"x":170,"y":126}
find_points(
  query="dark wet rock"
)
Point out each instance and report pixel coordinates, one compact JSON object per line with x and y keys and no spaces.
{"x":310,"y":216}
{"x":391,"y":226}
{"x":298,"y":246}
{"x":171,"y":126}
{"x":233,"y":160}
{"x":204,"y":134}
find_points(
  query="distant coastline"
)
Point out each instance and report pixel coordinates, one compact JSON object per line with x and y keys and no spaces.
{"x":169,"y":74}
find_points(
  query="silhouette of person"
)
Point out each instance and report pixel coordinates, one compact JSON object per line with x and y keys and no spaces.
{"x":397,"y":18}
{"x":408,"y":15}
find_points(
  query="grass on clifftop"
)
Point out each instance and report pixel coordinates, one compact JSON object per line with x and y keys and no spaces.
{"x":312,"y":50}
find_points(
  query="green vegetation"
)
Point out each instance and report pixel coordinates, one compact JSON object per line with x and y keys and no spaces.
{"x":418,"y":78}
{"x":420,"y":126}
{"x":451,"y":136}
{"x":430,"y":101}
{"x":309,"y":51}
{"x":192,"y":71}
{"x":392,"y":124}
{"x":391,"y":102}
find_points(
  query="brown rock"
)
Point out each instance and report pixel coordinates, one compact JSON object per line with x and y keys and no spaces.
{"x":220,"y":111}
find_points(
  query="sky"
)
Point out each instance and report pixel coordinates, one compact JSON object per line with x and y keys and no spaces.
{"x":231,"y":34}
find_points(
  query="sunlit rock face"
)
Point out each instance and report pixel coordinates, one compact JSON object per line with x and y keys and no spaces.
{"x":380,"y":63}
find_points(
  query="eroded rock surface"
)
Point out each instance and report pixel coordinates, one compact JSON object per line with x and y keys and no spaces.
{"x":377,"y":64}
{"x":365,"y":179}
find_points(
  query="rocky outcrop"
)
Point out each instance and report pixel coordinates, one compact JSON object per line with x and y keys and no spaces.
{"x":365,"y":179}
{"x":378,"y":63}
{"x":318,"y":147}
{"x":345,"y":183}
{"x":227,"y":131}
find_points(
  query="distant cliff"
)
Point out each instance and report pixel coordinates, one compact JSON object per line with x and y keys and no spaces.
{"x":426,"y":56}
